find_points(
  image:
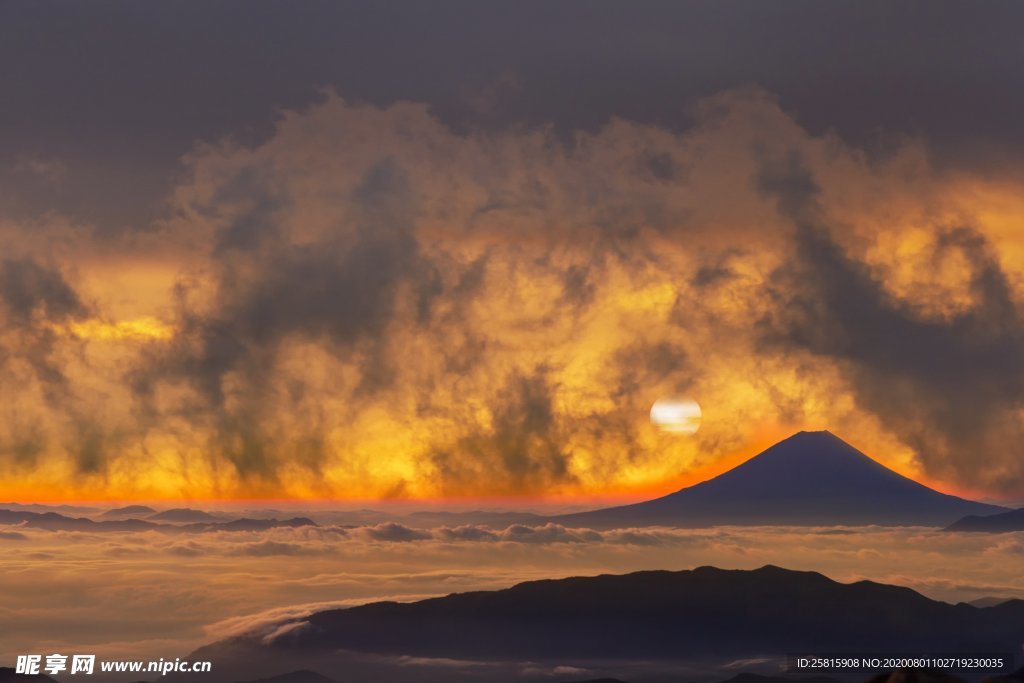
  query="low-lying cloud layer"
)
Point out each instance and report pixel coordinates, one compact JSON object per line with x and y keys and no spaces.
{"x":125,"y":594}
{"x":370,"y":304}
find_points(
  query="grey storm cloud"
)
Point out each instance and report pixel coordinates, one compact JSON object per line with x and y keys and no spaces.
{"x":522,"y":444}
{"x":32,"y":292}
{"x":135,"y":102}
{"x":34,"y":298}
{"x":339,"y":292}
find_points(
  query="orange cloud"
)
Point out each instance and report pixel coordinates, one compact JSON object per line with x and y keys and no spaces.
{"x":369,"y":304}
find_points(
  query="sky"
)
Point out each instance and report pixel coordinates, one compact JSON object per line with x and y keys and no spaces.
{"x":436,"y":251}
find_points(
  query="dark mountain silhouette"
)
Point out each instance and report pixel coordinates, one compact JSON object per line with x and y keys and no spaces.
{"x":652,"y":616}
{"x":915,"y":676}
{"x":990,"y":601}
{"x":129,"y":511}
{"x":811,"y":478}
{"x":8,"y":675}
{"x":758,"y":678}
{"x":55,"y":522}
{"x":1015,"y":677}
{"x":184,"y":515}
{"x":39,"y":507}
{"x":302,"y":676}
{"x":305,"y":676}
{"x":245,"y":524}
{"x":1004,"y":521}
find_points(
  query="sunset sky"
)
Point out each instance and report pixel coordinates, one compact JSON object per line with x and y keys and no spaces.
{"x":458,"y":251}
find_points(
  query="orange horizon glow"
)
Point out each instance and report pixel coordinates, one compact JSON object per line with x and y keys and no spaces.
{"x":765,"y":437}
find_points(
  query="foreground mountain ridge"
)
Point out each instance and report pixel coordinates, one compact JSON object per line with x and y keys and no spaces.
{"x":648,"y":616}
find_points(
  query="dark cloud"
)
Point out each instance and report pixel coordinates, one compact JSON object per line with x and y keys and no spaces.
{"x":664,"y":166}
{"x":520,"y":451}
{"x":339,"y":291}
{"x":36,"y":301}
{"x":118,"y":113}
{"x":31,"y":293}
{"x":711,"y":274}
{"x":948,"y":386}
{"x":577,"y":290}
{"x":642,"y":365}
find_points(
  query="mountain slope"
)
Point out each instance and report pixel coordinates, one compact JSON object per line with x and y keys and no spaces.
{"x":129,"y":510}
{"x":7,"y":675}
{"x":811,"y":478}
{"x":1005,"y":521}
{"x":660,"y":615}
{"x":184,"y":515}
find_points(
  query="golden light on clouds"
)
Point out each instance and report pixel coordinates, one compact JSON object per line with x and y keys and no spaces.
{"x":139,"y":329}
{"x":369,"y":304}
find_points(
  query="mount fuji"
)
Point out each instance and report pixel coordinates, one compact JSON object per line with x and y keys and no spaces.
{"x":809,"y":479}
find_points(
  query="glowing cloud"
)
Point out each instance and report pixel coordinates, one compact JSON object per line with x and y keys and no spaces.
{"x":368,"y":304}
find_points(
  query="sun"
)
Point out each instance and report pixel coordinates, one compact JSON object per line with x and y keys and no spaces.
{"x":676,"y":415}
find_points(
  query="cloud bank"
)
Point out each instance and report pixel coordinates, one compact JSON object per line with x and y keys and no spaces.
{"x":256,"y":581}
{"x":372,"y":304}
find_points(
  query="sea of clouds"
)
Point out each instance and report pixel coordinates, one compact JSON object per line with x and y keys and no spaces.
{"x":158,"y":594}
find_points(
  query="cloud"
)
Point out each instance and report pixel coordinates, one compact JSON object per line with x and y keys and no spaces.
{"x":950,"y":386}
{"x":269,"y":622}
{"x":31,"y":292}
{"x":186,"y":550}
{"x":643,"y":64}
{"x":408,"y":297}
{"x":34,"y":299}
{"x":370,"y":302}
{"x":251,"y":582}
{"x":549,"y":533}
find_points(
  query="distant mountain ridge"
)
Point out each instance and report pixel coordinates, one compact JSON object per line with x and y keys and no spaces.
{"x":57,"y":522}
{"x":184,"y":515}
{"x":128,"y":511}
{"x":1012,"y":520}
{"x":810,"y":479}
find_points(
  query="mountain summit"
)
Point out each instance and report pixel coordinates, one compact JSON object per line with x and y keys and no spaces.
{"x":811,"y":478}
